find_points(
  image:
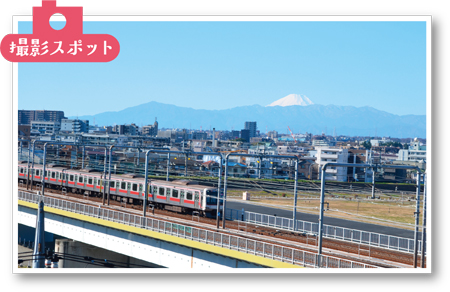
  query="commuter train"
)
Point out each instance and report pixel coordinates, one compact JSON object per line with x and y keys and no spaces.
{"x":180,"y":196}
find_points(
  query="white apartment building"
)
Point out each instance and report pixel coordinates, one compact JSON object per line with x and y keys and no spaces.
{"x":75,"y":126}
{"x":415,"y":152}
{"x":325,"y":155}
{"x":40,"y":128}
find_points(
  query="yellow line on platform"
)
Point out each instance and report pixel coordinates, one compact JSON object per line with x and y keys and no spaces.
{"x":168,"y":238}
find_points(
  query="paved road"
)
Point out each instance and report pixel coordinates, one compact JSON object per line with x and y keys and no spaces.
{"x":327,"y":220}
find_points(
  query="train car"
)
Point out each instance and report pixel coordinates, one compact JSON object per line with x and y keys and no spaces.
{"x":181,"y":196}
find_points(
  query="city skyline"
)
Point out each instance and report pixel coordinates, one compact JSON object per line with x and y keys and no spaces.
{"x":221,"y":65}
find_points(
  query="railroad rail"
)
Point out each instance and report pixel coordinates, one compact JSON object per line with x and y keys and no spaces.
{"x":352,"y":235}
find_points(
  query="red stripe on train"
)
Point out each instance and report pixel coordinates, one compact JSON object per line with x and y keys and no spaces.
{"x":175,"y":200}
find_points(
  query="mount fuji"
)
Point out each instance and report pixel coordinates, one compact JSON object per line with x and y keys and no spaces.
{"x":292,"y":99}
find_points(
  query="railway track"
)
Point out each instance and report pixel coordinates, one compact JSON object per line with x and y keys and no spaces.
{"x":306,"y":242}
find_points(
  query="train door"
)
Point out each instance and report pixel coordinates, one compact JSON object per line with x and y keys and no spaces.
{"x":169,"y":196}
{"x":141,"y":191}
{"x":128,"y":188}
{"x":181,"y":197}
{"x":197,"y":200}
{"x":64,"y":178}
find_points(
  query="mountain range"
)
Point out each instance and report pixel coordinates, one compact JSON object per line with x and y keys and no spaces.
{"x":312,"y":118}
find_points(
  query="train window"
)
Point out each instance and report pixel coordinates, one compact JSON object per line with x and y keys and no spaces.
{"x":135,"y":187}
{"x":80,"y":179}
{"x":128,"y":186}
{"x":175,"y":193}
{"x":140,"y":187}
{"x":161,"y":191}
{"x":21,"y":170}
{"x":168,"y":192}
{"x":111,"y":184}
{"x":211,"y":197}
{"x":123,"y":185}
{"x":90,"y":180}
{"x":188,"y":195}
{"x":182,"y":194}
{"x":71,"y":177}
{"x":53,"y":174}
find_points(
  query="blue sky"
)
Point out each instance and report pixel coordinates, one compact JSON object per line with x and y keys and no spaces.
{"x":220,"y":65}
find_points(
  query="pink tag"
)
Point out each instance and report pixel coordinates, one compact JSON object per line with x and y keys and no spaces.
{"x":66,"y":45}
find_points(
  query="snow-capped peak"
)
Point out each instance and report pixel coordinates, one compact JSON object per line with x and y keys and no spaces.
{"x":292,"y":99}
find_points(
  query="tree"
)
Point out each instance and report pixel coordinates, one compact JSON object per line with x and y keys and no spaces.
{"x":367,"y":144}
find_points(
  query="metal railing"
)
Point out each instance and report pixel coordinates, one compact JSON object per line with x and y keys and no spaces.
{"x":336,"y":232}
{"x":262,"y":249}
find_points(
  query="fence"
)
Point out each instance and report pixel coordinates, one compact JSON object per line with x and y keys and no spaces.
{"x":266,"y":250}
{"x":342,"y":233}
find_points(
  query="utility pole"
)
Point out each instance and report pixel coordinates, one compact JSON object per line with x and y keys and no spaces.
{"x":424,"y":219}
{"x":39,"y":238}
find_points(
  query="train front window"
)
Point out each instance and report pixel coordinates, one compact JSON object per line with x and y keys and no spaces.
{"x":211,"y":197}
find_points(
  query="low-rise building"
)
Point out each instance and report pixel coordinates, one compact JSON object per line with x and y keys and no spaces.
{"x":325,"y":155}
{"x":74,"y":126}
{"x":43,"y":128}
